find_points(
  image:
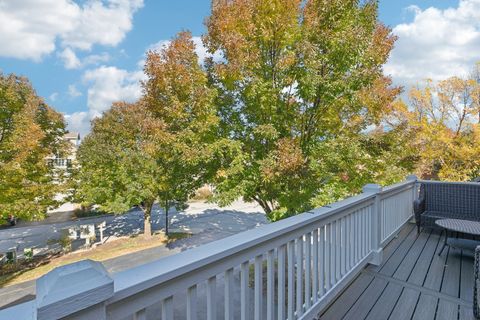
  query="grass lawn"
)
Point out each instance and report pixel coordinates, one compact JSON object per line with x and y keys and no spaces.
{"x":11,"y":274}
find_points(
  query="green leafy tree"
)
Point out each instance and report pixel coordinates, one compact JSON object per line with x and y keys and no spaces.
{"x":297,"y":80}
{"x":176,"y":92}
{"x":30,"y":131}
{"x":118,"y":165}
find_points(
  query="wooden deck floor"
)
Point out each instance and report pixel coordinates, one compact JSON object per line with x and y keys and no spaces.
{"x":413,"y":282}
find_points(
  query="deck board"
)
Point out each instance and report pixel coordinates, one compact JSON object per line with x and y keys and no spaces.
{"x":387,"y":301}
{"x":344,"y":302}
{"x":426,"y":308}
{"x":412,"y":282}
{"x":466,"y":277}
{"x":362,"y":306}
{"x":405,"y":305}
{"x":446,"y":310}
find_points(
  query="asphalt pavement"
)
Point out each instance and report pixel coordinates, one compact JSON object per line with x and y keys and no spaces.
{"x":207,"y":222}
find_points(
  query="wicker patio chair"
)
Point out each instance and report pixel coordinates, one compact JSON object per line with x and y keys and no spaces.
{"x":476,"y":284}
{"x":442,"y":200}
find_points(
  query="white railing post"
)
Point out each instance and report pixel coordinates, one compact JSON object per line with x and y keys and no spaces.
{"x":414,"y":178}
{"x":376,"y":223}
{"x":78,"y":290}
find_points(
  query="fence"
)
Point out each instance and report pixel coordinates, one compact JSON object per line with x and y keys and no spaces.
{"x":289,"y":269}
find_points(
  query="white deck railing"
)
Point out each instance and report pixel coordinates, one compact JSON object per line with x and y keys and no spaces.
{"x":289,"y":269}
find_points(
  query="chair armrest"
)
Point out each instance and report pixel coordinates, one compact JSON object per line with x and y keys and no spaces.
{"x":476,"y":284}
{"x":418,"y":209}
{"x":419,"y":206}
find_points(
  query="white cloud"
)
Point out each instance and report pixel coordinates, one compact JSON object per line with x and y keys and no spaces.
{"x":78,"y":122}
{"x":53,"y":96}
{"x":437,"y":44}
{"x":29,"y":29}
{"x":70,"y":59}
{"x":110,"y":84}
{"x":96,"y":58}
{"x":106,"y":85}
{"x":105,"y":24}
{"x":73,"y":91}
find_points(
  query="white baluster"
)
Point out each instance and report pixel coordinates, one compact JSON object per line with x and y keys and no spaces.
{"x":291,"y":279}
{"x":338,"y":252}
{"x":244,"y":274}
{"x":344,"y":247}
{"x":328,"y":256}
{"x":299,"y":256}
{"x":308,"y":268}
{"x":192,"y":303}
{"x":322,"y":258}
{"x":333,"y":252}
{"x":258,"y":287}
{"x":270,"y":284}
{"x":167,"y":308}
{"x":315,"y":266}
{"x":211,"y":298}
{"x":140,"y":315}
{"x":281,"y":282}
{"x":229,"y":294}
{"x":350,"y":241}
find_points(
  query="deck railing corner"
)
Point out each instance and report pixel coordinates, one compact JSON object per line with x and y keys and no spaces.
{"x":79,"y":289}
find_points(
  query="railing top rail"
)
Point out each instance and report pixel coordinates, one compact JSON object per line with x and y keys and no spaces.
{"x":397,"y":186}
{"x":449,"y":182}
{"x":143,"y":277}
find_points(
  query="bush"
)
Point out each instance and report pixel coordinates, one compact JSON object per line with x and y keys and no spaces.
{"x":28,"y":253}
{"x":203,"y":193}
{"x":87,"y":211}
{"x":65,"y":241}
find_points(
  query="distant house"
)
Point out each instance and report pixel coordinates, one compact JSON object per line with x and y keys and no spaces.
{"x":66,"y":160}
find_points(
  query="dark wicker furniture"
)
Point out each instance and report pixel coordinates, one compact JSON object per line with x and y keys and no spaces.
{"x":476,"y":284}
{"x":462,"y":226}
{"x":443,"y":200}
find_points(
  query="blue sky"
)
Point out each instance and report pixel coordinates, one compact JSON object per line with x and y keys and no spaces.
{"x":82,"y":55}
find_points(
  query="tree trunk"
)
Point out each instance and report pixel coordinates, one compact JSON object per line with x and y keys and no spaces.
{"x":263,"y":204}
{"x":147,"y":220}
{"x":166,"y":217}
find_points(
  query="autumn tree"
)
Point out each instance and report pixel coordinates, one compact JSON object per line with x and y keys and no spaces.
{"x":176,"y":92}
{"x":118,"y":161}
{"x":30,"y":131}
{"x":296,"y":79}
{"x":442,"y":122}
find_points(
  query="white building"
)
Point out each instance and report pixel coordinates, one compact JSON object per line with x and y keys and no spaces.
{"x":65,"y":161}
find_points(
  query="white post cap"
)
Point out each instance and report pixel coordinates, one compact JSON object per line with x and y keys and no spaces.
{"x":71,"y":288}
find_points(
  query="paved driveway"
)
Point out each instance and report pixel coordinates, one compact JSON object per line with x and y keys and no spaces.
{"x":208,"y":222}
{"x":197,"y":218}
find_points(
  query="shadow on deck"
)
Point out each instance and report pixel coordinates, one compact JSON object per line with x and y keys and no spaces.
{"x":413,"y":282}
